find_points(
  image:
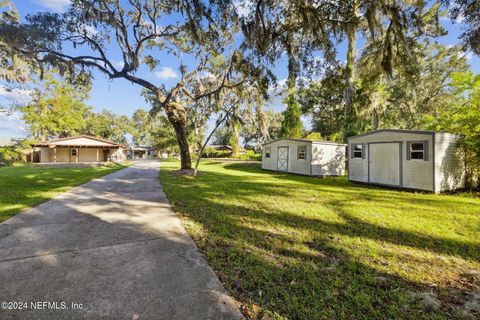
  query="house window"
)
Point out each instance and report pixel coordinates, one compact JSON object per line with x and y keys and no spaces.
{"x":302,"y":152}
{"x":74,"y":152}
{"x":417,"y":150}
{"x":268,"y":151}
{"x":357,"y":151}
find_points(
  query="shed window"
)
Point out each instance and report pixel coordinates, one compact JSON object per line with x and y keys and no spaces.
{"x":74,"y":152}
{"x":302,"y":152}
{"x":358,"y":151}
{"x":268,"y":151}
{"x":417,"y":150}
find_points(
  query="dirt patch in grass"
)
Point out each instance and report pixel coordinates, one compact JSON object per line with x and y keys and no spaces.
{"x":184,"y":172}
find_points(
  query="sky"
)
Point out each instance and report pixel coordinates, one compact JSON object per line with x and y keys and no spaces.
{"x":123,"y":97}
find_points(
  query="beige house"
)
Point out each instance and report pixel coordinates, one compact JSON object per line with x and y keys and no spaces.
{"x":313,"y":158}
{"x":422,"y":160}
{"x":78,"y":149}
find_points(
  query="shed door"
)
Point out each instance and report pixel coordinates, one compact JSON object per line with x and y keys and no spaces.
{"x":282,"y":159}
{"x":384,"y":163}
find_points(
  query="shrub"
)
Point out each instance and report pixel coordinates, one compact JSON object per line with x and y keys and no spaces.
{"x":213,"y":153}
{"x":10,"y":155}
{"x":250,"y":155}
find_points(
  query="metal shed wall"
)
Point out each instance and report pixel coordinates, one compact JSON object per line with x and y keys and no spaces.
{"x":295,"y":165}
{"x":328,"y":159}
{"x":449,"y":166}
{"x":415,"y":174}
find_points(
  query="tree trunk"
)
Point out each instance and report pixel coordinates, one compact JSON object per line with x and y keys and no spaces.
{"x":185,"y":158}
{"x":202,"y":149}
{"x":292,"y":66}
{"x":375,"y":119}
{"x":349,"y":78}
{"x":291,"y":124}
{"x":177,"y":116}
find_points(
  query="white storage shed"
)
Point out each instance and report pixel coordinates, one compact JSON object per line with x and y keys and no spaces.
{"x":421,"y":160}
{"x":313,"y":158}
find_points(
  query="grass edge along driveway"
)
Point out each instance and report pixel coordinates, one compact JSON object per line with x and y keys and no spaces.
{"x":26,"y":186}
{"x":296,"y":247}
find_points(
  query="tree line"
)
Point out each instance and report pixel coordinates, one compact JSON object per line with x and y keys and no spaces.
{"x":395,"y":74}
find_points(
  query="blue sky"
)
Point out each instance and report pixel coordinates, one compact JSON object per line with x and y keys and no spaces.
{"x":122,"y":97}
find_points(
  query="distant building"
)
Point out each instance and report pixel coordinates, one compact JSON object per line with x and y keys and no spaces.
{"x":227,"y":148}
{"x":78,"y":149}
{"x":139,"y":152}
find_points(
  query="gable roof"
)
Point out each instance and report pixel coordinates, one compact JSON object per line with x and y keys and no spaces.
{"x":305,"y":140}
{"x":78,"y":141}
{"x":394,"y":130}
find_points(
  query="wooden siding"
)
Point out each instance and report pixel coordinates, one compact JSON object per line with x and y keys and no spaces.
{"x":449,"y":168}
{"x":416,"y":174}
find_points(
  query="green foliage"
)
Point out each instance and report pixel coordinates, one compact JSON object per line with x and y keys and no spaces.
{"x":463,"y":118}
{"x":292,"y":126}
{"x":234,"y":140}
{"x":57,"y":109}
{"x":11,"y":155}
{"x":400,"y":102}
{"x":211,"y":152}
{"x":163,"y":134}
{"x":108,"y":125}
{"x":141,"y":127}
{"x":260,"y":125}
{"x":229,"y":135}
{"x":314,"y":136}
{"x":469,"y":12}
{"x":221,"y":136}
{"x":323,"y":100}
{"x":250,"y":155}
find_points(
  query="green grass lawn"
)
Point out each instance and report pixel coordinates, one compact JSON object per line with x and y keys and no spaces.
{"x":26,"y":186}
{"x":295,"y":247}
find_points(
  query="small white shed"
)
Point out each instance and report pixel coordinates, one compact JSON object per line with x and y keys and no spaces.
{"x":313,"y":158}
{"x":421,"y":160}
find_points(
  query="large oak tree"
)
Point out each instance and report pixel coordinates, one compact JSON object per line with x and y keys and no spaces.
{"x":91,"y":34}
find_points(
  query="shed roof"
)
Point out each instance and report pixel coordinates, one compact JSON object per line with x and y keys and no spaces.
{"x":399,"y":131}
{"x":306,"y":140}
{"x":78,"y":141}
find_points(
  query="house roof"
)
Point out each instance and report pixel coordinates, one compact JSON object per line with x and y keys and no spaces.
{"x":219,"y":146}
{"x":306,"y":140}
{"x":395,"y":130}
{"x":78,"y":141}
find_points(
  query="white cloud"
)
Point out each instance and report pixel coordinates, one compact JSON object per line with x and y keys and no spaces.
{"x":166,"y":73}
{"x":243,"y":8}
{"x":15,"y":95}
{"x":459,"y":19}
{"x":91,"y":31}
{"x":278,"y":88}
{"x":118,"y":64}
{"x":12,"y":125}
{"x":55,"y":5}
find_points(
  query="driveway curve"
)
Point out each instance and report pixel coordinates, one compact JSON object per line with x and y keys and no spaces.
{"x":109,"y":249}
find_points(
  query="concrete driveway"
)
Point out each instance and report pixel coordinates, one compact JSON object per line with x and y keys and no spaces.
{"x":109,"y":249}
